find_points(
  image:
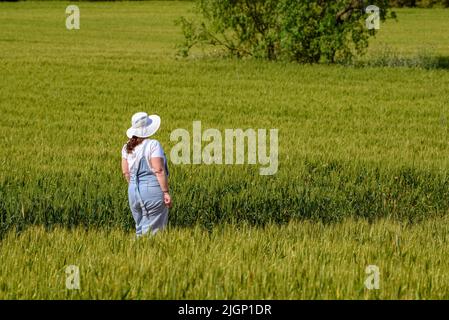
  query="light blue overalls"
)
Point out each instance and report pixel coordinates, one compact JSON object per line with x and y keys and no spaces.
{"x":146,"y":200}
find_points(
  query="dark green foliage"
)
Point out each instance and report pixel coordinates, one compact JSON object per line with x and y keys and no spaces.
{"x":324,"y":191}
{"x":304,"y":31}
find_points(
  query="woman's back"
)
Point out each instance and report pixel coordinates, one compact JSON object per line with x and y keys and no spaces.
{"x":138,"y":160}
{"x":144,"y":167}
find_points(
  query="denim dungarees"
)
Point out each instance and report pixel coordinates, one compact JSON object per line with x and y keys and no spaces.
{"x":146,"y":199}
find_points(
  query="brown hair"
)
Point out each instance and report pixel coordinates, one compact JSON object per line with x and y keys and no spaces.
{"x":132,"y":143}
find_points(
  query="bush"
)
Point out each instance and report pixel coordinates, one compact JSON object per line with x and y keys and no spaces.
{"x":299,"y":30}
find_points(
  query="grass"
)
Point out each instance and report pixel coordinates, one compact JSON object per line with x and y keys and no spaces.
{"x":353,"y":143}
{"x":414,"y":30}
{"x":301,"y":260}
{"x":368,"y":142}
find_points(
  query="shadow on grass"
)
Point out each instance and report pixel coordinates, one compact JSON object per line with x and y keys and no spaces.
{"x":442,"y":62}
{"x":390,"y":58}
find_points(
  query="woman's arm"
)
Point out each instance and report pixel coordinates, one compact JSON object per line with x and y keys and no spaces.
{"x":125,"y":169}
{"x":157,"y":164}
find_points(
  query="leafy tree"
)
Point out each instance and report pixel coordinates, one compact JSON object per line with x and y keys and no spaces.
{"x":298,"y":30}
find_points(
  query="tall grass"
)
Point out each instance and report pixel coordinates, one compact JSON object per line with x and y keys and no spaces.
{"x":326,"y":191}
{"x":423,"y":58}
{"x":365,"y":142}
{"x":297,"y":261}
{"x":363,"y":155}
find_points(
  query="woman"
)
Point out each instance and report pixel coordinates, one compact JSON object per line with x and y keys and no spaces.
{"x":144,"y":166}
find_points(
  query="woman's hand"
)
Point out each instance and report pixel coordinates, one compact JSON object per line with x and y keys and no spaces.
{"x":167,"y":200}
{"x":157,"y":165}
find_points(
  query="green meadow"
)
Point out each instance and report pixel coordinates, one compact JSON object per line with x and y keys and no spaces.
{"x":362,"y":177}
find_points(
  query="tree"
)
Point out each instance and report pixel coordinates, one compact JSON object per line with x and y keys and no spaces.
{"x":299,"y":30}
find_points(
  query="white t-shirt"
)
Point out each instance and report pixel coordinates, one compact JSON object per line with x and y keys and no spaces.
{"x":152,"y":150}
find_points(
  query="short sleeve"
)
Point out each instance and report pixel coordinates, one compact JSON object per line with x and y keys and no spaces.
{"x":155,"y":150}
{"x":124,"y":153}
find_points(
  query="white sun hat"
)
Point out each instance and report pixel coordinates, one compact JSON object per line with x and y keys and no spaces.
{"x":143,"y":125}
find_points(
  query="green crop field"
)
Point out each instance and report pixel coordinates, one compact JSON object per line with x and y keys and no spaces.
{"x":362,"y":177}
{"x":306,"y":260}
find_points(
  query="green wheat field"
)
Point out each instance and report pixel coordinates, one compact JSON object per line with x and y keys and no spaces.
{"x":363,"y":162}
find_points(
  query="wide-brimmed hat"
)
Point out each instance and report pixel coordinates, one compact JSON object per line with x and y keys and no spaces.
{"x":143,"y":125}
